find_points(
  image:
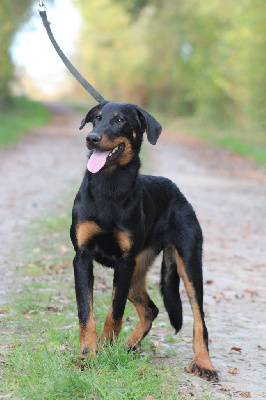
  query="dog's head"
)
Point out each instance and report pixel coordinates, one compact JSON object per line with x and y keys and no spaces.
{"x":117,"y":133}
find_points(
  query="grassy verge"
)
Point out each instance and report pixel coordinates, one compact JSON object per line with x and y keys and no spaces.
{"x":40,"y":333}
{"x":241,"y":141}
{"x":16,"y":121}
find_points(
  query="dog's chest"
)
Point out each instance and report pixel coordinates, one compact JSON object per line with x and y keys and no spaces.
{"x":108,"y":244}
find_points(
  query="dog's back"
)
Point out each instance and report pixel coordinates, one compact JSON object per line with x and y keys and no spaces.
{"x":124,"y":220}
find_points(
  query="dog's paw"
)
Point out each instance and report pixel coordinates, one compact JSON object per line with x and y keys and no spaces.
{"x":133,"y":347}
{"x":86,"y":352}
{"x":209,"y":374}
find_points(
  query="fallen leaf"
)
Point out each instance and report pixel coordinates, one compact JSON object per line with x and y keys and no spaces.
{"x":219,"y":296}
{"x":233,"y":371}
{"x":63,"y":249}
{"x":261,"y":264}
{"x":4,"y":310}
{"x":252,"y":292}
{"x":247,"y":395}
{"x":141,"y":371}
{"x":52,"y":308}
{"x":31,"y":266}
{"x":236,"y":349}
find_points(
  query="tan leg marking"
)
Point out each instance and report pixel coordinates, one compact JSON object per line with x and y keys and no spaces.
{"x":88,"y":337}
{"x":202,"y":358}
{"x":111,"y":327}
{"x":145,"y":318}
{"x":85,"y":231}
{"x":140,"y":298}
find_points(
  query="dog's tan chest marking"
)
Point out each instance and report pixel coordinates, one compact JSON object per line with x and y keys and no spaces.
{"x":85,"y":231}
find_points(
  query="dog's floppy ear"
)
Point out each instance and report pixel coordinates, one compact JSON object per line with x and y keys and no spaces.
{"x":90,"y":114}
{"x":150,"y":125}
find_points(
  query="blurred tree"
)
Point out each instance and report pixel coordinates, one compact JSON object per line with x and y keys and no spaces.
{"x":254,"y":19}
{"x":12,"y":14}
{"x":112,"y":51}
{"x":181,"y":56}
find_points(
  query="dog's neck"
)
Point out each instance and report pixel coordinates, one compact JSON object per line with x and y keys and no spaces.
{"x":115,"y":183}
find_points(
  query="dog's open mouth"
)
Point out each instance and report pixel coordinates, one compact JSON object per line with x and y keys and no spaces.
{"x":101,"y":158}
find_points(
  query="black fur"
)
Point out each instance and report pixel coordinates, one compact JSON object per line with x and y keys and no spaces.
{"x":150,"y":214}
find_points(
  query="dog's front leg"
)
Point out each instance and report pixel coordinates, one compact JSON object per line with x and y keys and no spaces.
{"x":83,"y":271}
{"x":122,"y":278}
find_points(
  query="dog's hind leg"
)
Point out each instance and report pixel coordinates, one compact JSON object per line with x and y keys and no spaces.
{"x":146,"y":309}
{"x":190,"y":269}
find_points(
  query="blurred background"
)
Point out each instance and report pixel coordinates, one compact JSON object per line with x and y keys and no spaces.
{"x":202,"y":62}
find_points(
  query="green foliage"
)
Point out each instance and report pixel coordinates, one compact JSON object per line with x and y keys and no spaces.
{"x":12,"y":15}
{"x":45,"y":367}
{"x":19,"y":118}
{"x":186,"y":57}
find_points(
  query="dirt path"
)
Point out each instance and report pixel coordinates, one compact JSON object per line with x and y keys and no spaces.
{"x":34,"y":175}
{"x":229,"y":196}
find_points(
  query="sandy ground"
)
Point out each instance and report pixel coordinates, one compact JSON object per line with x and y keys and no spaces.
{"x":34,"y":175}
{"x":229,"y":195}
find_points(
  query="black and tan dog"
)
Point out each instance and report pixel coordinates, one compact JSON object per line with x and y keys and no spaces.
{"x":123,"y":220}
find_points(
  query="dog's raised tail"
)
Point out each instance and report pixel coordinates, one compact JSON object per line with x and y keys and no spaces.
{"x":170,"y":288}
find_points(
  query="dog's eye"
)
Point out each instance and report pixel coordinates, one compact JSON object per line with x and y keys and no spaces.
{"x":97,"y":117}
{"x":119,"y":121}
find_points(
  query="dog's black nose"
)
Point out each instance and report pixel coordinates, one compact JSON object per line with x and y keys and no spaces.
{"x":93,"y":138}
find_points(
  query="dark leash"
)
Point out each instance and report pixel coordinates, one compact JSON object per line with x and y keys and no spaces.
{"x":93,"y":92}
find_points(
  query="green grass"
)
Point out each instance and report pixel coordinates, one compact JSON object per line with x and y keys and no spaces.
{"x":22,"y":116}
{"x":247,"y":142}
{"x":47,"y":367}
{"x":42,"y":327}
{"x":39,"y":356}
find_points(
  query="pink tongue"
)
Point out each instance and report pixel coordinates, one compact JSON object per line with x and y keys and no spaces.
{"x":97,"y":160}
